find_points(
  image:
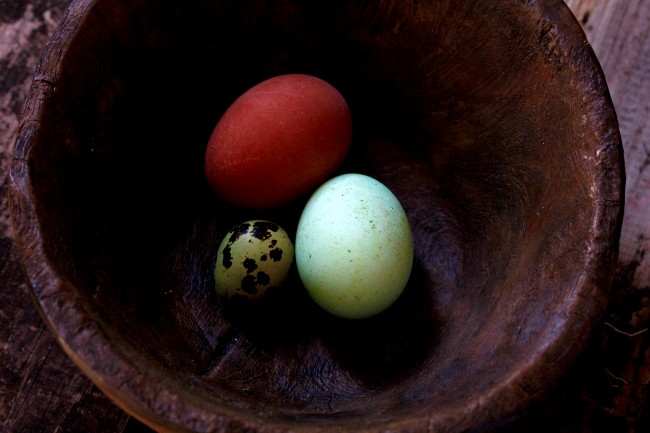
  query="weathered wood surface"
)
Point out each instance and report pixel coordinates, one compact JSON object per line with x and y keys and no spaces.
{"x":42,"y":391}
{"x":607,"y":391}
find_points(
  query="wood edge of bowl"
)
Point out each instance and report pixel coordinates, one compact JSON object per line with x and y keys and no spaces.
{"x":602,"y":257}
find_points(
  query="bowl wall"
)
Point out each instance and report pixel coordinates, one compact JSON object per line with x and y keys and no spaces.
{"x":490,"y":122}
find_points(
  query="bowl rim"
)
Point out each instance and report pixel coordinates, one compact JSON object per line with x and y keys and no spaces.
{"x":55,"y":298}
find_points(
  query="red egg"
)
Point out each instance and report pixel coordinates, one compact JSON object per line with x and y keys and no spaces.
{"x":278,"y":140}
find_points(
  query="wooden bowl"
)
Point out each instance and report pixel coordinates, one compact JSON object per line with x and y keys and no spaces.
{"x":490,"y":121}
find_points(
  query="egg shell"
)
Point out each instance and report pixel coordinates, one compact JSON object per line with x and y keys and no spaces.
{"x":277,"y":141}
{"x":354,"y":248}
{"x":252,"y":258}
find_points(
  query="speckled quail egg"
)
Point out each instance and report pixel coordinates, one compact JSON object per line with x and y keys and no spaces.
{"x":253,"y":257}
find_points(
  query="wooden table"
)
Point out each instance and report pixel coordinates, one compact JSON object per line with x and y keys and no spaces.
{"x":41,"y":391}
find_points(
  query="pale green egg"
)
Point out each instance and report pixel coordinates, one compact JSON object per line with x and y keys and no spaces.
{"x":354,"y":248}
{"x":253,"y":257}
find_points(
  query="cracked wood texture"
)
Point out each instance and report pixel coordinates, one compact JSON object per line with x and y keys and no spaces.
{"x":606,"y":391}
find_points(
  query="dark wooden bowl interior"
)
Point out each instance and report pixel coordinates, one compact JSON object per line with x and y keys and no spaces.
{"x":490,"y":121}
